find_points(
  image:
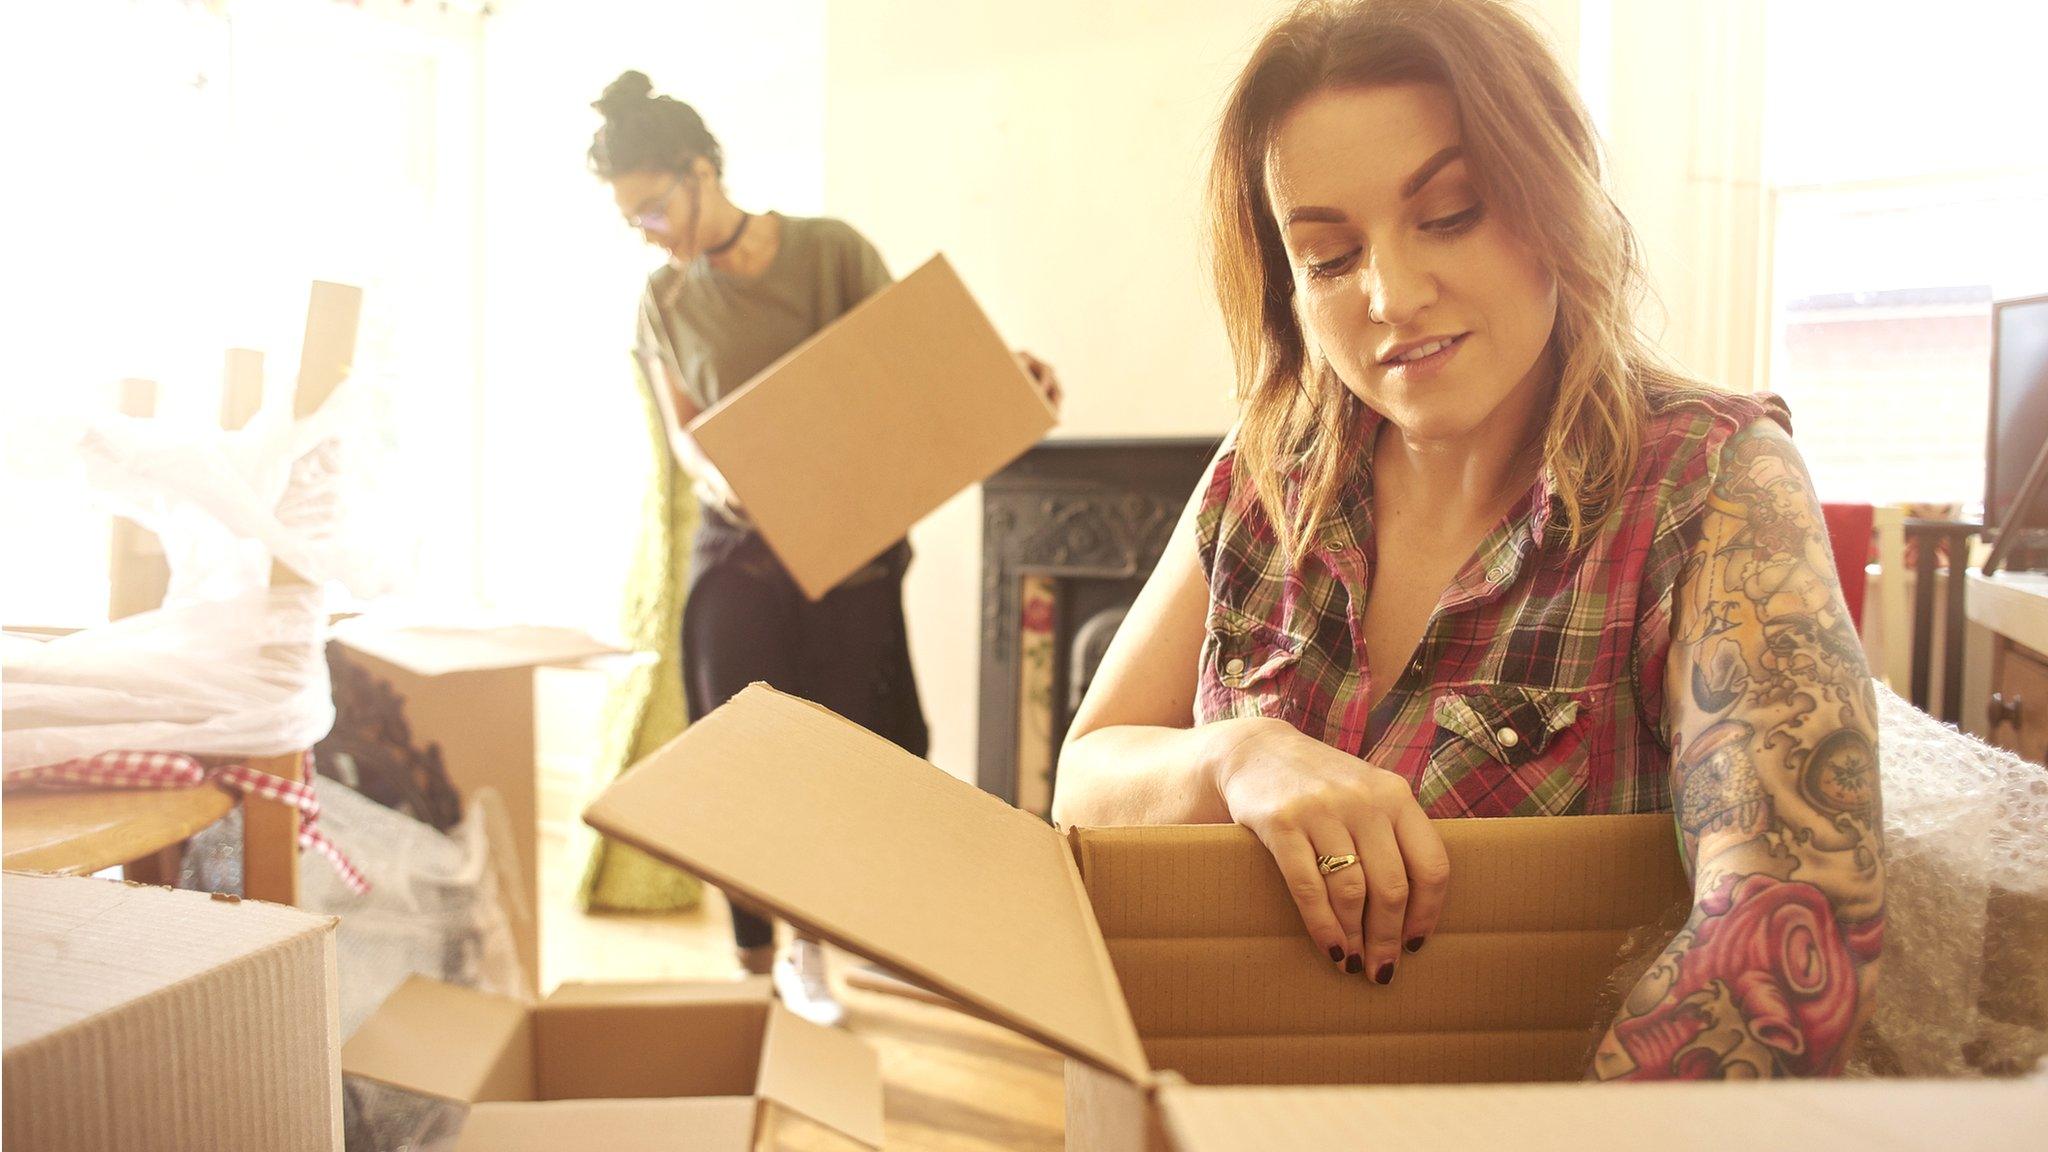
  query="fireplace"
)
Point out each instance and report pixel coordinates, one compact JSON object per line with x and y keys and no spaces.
{"x":1070,"y":531}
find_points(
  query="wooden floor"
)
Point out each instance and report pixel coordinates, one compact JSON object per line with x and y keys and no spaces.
{"x":953,"y":1083}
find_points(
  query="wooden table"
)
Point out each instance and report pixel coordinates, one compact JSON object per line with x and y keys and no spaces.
{"x":80,"y":832}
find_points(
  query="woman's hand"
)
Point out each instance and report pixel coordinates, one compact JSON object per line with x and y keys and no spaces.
{"x":1042,"y":375}
{"x":1306,"y":800}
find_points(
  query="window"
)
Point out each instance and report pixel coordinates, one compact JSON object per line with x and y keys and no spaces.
{"x":193,"y":169}
{"x":1900,"y":210}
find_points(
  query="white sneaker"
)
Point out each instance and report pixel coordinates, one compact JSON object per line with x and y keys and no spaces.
{"x":800,"y":982}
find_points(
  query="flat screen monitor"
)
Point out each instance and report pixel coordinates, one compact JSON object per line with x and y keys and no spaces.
{"x":2019,"y":407}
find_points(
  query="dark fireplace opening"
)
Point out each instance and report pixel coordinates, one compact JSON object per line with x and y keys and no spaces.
{"x":1069,"y":534}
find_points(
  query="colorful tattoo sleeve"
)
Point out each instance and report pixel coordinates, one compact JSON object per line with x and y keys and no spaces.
{"x":1774,"y":777}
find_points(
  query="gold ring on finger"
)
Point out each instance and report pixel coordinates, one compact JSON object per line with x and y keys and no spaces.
{"x":1329,"y":864}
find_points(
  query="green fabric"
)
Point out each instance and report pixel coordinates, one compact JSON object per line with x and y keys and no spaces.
{"x":646,"y":710}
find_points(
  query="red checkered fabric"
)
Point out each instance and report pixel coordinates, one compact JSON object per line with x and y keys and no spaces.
{"x":179,"y":770}
{"x":1538,"y":686}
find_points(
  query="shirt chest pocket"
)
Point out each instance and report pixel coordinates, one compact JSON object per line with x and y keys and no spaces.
{"x":1249,"y":667}
{"x":1505,"y":750}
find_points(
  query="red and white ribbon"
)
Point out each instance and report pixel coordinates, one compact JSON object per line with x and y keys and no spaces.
{"x":179,"y":770}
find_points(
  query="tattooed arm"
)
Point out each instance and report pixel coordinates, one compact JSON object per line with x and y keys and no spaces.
{"x":1774,"y":777}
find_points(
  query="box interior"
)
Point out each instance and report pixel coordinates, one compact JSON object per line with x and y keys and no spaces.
{"x":1183,"y":936}
{"x":1226,"y":987}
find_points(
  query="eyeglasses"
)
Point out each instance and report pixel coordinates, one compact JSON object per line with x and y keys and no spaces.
{"x":652,"y":214}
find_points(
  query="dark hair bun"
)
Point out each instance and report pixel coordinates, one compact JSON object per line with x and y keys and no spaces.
{"x":631,"y":90}
{"x":643,"y":132}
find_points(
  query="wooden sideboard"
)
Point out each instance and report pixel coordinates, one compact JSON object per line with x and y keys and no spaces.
{"x":2013,"y":606}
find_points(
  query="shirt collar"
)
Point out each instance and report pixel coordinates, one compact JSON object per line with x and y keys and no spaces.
{"x":1541,"y":508}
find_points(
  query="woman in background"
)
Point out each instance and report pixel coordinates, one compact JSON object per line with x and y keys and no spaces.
{"x":738,"y":290}
{"x":1474,"y":550}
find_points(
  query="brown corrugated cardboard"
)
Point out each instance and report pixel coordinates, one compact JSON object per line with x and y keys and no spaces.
{"x":685,"y":1125}
{"x":1881,"y":1116}
{"x":836,"y":449}
{"x":640,"y":1049}
{"x":471,"y":691}
{"x":1505,"y":990}
{"x":146,"y":1018}
{"x":1182,"y":936}
{"x":999,"y":919}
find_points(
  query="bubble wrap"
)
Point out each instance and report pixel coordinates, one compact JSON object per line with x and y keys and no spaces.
{"x":1963,"y":991}
{"x":440,"y":905}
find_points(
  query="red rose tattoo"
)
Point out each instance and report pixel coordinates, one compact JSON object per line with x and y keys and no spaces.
{"x":1767,"y":987}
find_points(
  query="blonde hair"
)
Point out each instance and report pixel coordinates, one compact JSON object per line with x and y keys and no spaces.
{"x":1536,"y":161}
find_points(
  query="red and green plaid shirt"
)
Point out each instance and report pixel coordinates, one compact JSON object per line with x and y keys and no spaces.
{"x":1538,"y":686}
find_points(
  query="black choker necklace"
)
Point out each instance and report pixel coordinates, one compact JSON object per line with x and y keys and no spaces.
{"x":733,"y":239}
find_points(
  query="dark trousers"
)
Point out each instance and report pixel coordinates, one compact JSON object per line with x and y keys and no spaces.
{"x":745,"y":620}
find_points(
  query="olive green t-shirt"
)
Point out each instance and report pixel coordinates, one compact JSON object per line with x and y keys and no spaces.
{"x":714,"y":331}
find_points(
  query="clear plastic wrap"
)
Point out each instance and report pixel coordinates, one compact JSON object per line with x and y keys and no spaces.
{"x":245,"y":676}
{"x":1964,"y":990}
{"x":440,"y":904}
{"x":1964,"y":987}
{"x":229,"y":666}
{"x":225,"y":503}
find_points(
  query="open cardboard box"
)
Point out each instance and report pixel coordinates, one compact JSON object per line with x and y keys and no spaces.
{"x":1165,"y":963}
{"x":619,"y":1067}
{"x":1794,"y":1115}
{"x":471,"y":691}
{"x":146,"y":1018}
{"x":836,"y":449}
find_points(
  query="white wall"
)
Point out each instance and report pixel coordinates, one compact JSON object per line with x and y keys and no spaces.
{"x":565,"y":459}
{"x":1055,"y":152}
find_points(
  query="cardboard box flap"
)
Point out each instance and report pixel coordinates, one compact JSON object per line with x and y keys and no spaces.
{"x":823,"y":1074}
{"x":453,"y":1043}
{"x":840,"y":446}
{"x":1508,"y":988}
{"x":1597,"y":873}
{"x":436,"y":651}
{"x":1955,"y":1116}
{"x":76,"y":949}
{"x":718,"y":1124}
{"x":848,"y":836}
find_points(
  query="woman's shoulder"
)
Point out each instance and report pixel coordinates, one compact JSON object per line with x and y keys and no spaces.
{"x":1687,"y":427}
{"x":660,"y":292}
{"x":1679,"y":411}
{"x":825,"y":232}
{"x":1228,"y":502}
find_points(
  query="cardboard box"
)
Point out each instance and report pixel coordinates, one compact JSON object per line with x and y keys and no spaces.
{"x":1868,"y":1115}
{"x":471,"y":690}
{"x":619,"y":1067}
{"x":836,"y":449}
{"x":1130,"y":950}
{"x":144,"y":1018}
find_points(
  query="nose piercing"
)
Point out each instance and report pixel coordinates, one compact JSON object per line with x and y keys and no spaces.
{"x":1374,"y":316}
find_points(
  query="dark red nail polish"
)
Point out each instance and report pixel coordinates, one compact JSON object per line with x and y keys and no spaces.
{"x":1414,"y":944}
{"x":1386,"y":973}
{"x":1353,"y":964}
{"x":1336,"y":953}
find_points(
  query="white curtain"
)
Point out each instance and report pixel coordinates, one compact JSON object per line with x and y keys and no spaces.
{"x":1681,"y":86}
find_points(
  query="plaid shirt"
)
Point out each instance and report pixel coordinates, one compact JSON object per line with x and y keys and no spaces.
{"x":1538,"y":686}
